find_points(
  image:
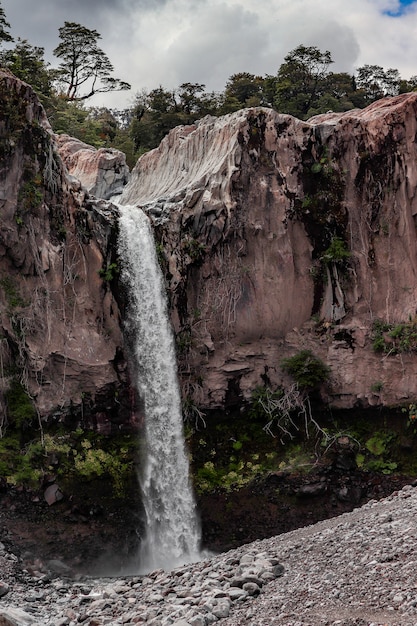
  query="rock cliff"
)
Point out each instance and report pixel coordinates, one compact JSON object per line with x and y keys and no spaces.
{"x":102,"y":172}
{"x":278,"y":235}
{"x":275,"y":235}
{"x":61,"y":341}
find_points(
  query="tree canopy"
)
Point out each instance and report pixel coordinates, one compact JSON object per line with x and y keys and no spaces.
{"x":301,"y":80}
{"x":303,"y":86}
{"x":5,"y":36}
{"x":84,"y":65}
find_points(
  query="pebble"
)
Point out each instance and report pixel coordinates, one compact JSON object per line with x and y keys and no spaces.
{"x":354,"y":570}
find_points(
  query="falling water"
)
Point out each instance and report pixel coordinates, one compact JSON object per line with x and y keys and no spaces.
{"x":172,"y":526}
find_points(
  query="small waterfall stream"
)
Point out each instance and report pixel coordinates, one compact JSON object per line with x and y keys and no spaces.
{"x":172,"y":525}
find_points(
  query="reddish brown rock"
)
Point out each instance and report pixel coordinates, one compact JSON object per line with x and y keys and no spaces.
{"x":247,"y":206}
{"x":103,"y":172}
{"x":59,"y":320}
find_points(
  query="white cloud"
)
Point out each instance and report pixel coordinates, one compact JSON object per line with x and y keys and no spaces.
{"x":168,"y":42}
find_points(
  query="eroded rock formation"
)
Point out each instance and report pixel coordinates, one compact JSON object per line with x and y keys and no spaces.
{"x":275,"y":235}
{"x":278,"y":235}
{"x":103,"y":172}
{"x":61,"y":340}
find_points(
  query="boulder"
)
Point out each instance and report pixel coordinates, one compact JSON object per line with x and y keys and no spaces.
{"x":103,"y":172}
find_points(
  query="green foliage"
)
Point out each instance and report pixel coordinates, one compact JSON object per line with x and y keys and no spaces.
{"x":238,"y":473}
{"x":160,"y":253}
{"x":374,"y":82}
{"x":380,"y":445}
{"x":30,"y":195}
{"x":96,"y":127}
{"x":337,"y":252}
{"x":377,"y":444}
{"x":83,"y":63}
{"x":91,"y":463}
{"x":77,"y":456}
{"x":243,"y":90}
{"x":109,"y":272}
{"x":300,"y":79}
{"x":261,"y":396}
{"x":13,"y":297}
{"x":20,"y":408}
{"x":377,"y":386}
{"x":306,"y":369}
{"x":27,"y":63}
{"x":194,"y":249}
{"x":394,"y":338}
{"x":5,"y":36}
{"x":183,"y":341}
{"x":411,"y":411}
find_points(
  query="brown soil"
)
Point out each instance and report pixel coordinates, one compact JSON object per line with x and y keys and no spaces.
{"x":90,"y":531}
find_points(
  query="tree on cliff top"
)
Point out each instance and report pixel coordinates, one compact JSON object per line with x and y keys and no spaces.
{"x":4,"y":25}
{"x":84,"y":64}
{"x":300,"y":80}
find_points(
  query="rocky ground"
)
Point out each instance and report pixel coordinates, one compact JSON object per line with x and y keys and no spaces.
{"x":357,"y":569}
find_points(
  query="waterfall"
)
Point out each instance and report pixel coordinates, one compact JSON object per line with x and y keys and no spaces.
{"x":172,"y":535}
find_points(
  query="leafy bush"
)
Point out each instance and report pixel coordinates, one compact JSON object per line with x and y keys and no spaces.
{"x":337,"y":252}
{"x":306,"y":369}
{"x":109,"y":272}
{"x":20,"y":407}
{"x":394,"y":338}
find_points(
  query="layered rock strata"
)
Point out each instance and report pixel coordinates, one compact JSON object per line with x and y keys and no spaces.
{"x":103,"y":172}
{"x":278,"y":235}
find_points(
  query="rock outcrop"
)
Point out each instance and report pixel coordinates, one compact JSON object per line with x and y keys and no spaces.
{"x":275,"y":235}
{"x":279,"y":235}
{"x":61,"y":341}
{"x":103,"y":172}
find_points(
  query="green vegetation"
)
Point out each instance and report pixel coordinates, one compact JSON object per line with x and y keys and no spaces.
{"x":84,"y":64}
{"x":377,"y":386}
{"x":394,"y":338}
{"x":72,"y":457}
{"x":234,"y":477}
{"x":377,"y":452}
{"x":306,"y":369}
{"x":13,"y":297}
{"x":303,"y":85}
{"x":109,"y":272}
{"x":20,"y":408}
{"x":194,"y":249}
{"x":183,"y":341}
{"x":30,"y":195}
{"x":337,"y":252}
{"x":5,"y":36}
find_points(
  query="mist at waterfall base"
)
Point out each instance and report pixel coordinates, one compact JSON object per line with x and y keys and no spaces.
{"x":172,"y":527}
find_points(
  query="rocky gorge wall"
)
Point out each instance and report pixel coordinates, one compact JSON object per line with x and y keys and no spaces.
{"x":61,"y":343}
{"x":278,"y":235}
{"x":275,"y":235}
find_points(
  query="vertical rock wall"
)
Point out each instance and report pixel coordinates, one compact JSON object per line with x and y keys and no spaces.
{"x":60,"y":335}
{"x":278,"y":235}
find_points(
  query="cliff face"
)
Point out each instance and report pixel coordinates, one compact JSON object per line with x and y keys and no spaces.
{"x":275,"y":235}
{"x":279,"y":235}
{"x":59,"y":321}
{"x":103,"y":172}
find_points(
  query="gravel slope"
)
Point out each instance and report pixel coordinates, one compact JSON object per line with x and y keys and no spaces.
{"x":358,"y":569}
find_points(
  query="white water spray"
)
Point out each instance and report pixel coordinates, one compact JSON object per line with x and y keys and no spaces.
{"x":172,"y":525}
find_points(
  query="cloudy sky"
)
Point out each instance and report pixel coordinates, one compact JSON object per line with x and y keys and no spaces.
{"x":168,"y":42}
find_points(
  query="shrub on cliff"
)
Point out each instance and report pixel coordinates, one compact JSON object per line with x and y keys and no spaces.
{"x":308,"y":371}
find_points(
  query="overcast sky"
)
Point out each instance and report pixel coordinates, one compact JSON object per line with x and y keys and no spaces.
{"x":168,"y":42}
